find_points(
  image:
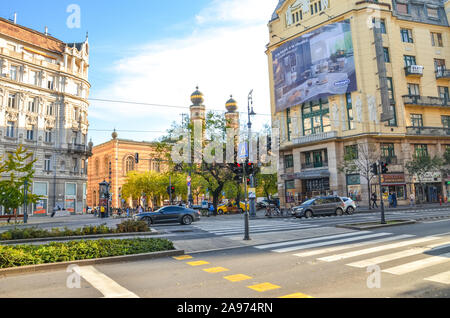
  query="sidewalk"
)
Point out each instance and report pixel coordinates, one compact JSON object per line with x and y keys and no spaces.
{"x":417,"y":207}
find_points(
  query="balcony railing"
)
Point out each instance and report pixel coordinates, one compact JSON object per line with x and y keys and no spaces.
{"x":314,"y":138}
{"x":414,"y":70}
{"x":76,"y":148}
{"x":442,"y":73}
{"x":416,"y":100}
{"x":428,"y":131}
{"x":392,"y":160}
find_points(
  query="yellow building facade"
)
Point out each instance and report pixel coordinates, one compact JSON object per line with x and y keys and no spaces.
{"x":316,"y":133}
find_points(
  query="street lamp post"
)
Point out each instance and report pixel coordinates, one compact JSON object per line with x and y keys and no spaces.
{"x":249,"y":125}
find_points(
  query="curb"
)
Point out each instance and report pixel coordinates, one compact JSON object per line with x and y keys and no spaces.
{"x":73,"y":238}
{"x":107,"y":260}
{"x":366,"y":227}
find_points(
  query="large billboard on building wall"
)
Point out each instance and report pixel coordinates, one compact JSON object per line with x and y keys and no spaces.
{"x":315,"y":65}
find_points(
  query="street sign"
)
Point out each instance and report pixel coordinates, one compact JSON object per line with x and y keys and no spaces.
{"x":188,"y":179}
{"x":189,"y":184}
{"x":243,"y":150}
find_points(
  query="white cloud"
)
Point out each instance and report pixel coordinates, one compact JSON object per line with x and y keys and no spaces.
{"x":223,"y":59}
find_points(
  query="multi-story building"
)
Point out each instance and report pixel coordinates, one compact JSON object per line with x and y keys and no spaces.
{"x":44,"y":93}
{"x":340,"y":82}
{"x":113,"y":160}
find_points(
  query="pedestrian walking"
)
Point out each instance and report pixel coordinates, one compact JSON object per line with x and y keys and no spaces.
{"x":390,"y":200}
{"x":412,"y":199}
{"x":394,"y":200}
{"x":374,"y":200}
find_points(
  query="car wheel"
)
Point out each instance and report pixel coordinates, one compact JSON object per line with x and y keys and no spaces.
{"x":187,"y":220}
{"x":339,"y":212}
{"x":350,"y":210}
{"x":148,"y":220}
{"x":308,"y":214}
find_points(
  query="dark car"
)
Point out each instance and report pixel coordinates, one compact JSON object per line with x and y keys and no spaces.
{"x":169,"y":214}
{"x":320,"y":206}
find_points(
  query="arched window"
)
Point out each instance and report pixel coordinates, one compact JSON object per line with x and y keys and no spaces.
{"x":129,"y":164}
{"x":97,"y":167}
{"x":106,"y":166}
{"x":316,"y":117}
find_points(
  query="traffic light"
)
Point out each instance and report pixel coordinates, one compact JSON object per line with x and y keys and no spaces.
{"x":375,"y":169}
{"x":384,"y":168}
{"x":172,"y":189}
{"x":136,"y":158}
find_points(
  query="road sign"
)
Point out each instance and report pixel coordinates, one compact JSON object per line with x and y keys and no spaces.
{"x":243,"y":150}
{"x":188,"y":179}
{"x":189,"y":184}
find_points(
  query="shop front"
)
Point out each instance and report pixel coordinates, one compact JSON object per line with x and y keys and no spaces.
{"x":393,"y":184}
{"x":428,"y":189}
{"x":315,"y":183}
{"x":40,"y":208}
{"x":354,"y":187}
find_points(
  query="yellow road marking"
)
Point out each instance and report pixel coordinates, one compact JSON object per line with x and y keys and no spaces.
{"x":216,"y":270}
{"x":183,"y":257}
{"x":264,"y":287}
{"x":197,"y":263}
{"x":296,"y":295}
{"x":237,"y":278}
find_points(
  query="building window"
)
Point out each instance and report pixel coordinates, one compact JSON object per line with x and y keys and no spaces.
{"x":51,"y":82}
{"x":421,"y":150}
{"x":10,"y":127}
{"x":387,"y":150}
{"x":13,"y":72}
{"x":436,"y":39}
{"x":129,"y":165}
{"x":413,"y":89}
{"x":383,"y":26}
{"x":351,"y":152}
{"x":409,"y":60}
{"x":32,"y":106}
{"x":48,"y":136}
{"x":407,"y":35}
{"x":50,"y":109}
{"x":75,"y":164}
{"x":97,"y":167}
{"x":445,"y":121}
{"x":402,"y":8}
{"x":393,"y":121}
{"x":433,"y":13}
{"x":351,"y":122}
{"x":288,"y":161}
{"x":416,"y":120}
{"x":33,"y":79}
{"x":443,"y":92}
{"x":387,"y":58}
{"x":12,"y":100}
{"x":316,"y":117}
{"x":30,"y":132}
{"x":439,"y":65}
{"x":47,"y":163}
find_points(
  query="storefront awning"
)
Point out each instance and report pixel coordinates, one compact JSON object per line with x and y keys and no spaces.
{"x":313,"y":174}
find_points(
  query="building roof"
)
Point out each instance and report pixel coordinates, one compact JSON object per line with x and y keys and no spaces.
{"x":128,"y":141}
{"x":275,"y":15}
{"x":31,"y":36}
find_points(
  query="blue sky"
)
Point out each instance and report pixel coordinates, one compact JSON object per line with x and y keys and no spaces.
{"x":156,"y":52}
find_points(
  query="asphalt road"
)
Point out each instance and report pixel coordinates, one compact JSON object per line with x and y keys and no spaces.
{"x":412,"y":260}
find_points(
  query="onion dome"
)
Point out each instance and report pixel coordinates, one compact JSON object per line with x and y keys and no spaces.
{"x":91,"y":144}
{"x":197,"y":98}
{"x":114,"y":134}
{"x":231,"y":105}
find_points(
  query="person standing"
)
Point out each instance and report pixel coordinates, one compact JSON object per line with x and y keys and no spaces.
{"x":394,"y":199}
{"x":374,"y":201}
{"x":412,"y":199}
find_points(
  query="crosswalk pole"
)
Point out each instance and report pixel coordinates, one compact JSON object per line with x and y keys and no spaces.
{"x":247,"y":230}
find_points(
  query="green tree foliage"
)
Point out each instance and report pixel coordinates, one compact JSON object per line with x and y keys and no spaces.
{"x":267,"y":184}
{"x":17,"y":171}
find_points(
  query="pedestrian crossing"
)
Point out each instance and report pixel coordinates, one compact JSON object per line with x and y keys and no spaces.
{"x":237,"y":227}
{"x":408,"y":253}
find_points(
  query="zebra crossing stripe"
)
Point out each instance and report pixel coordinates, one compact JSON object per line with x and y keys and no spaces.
{"x":418,"y":265}
{"x":338,"y":248}
{"x":231,"y":228}
{"x":315,"y":239}
{"x":338,"y":257}
{"x":398,"y":255}
{"x":237,"y":231}
{"x":351,"y":239}
{"x":443,"y":278}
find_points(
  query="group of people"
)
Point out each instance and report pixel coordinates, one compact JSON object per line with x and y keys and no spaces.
{"x":392,"y":199}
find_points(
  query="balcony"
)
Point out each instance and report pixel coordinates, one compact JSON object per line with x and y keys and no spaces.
{"x":415,"y":100}
{"x":76,"y":148}
{"x":443,"y":73}
{"x":427,"y":131}
{"x":315,"y":138}
{"x":315,"y":165}
{"x":414,"y":71}
{"x":392,"y":160}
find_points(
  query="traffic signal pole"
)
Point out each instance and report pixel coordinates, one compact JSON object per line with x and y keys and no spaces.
{"x":247,"y":230}
{"x":383,"y":219}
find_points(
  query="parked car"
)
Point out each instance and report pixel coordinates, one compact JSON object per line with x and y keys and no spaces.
{"x":169,"y":214}
{"x":350,"y":205}
{"x":232,"y":208}
{"x":330,"y":205}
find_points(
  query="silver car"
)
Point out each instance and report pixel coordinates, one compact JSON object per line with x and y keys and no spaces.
{"x":350,"y":205}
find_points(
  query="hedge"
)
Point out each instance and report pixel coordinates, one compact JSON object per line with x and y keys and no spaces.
{"x":129,"y":226}
{"x":22,"y":255}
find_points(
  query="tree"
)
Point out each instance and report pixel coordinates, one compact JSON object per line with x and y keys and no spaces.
{"x":15,"y":187}
{"x":359,"y":159}
{"x":420,"y":166}
{"x":267,"y":184}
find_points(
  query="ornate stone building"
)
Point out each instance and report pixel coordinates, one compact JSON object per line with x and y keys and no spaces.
{"x":336,"y":76}
{"x":44,"y":93}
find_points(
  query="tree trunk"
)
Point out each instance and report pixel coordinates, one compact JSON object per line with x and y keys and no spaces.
{"x":369,"y":194}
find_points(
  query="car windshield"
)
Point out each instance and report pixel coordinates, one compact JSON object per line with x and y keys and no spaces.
{"x":309,"y":202}
{"x":345,"y":199}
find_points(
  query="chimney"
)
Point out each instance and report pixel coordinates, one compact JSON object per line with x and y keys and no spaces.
{"x":15,"y":17}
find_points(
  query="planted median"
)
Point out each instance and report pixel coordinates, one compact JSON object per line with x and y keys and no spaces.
{"x":129,"y":226}
{"x":23,"y":255}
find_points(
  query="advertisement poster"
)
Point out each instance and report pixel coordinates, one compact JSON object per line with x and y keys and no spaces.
{"x":316,"y":65}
